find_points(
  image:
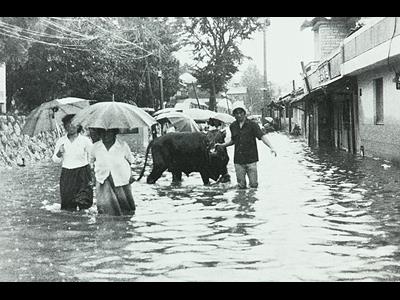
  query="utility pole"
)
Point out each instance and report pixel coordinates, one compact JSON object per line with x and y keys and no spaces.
{"x":160,"y":76}
{"x":266,"y":23}
{"x":195,"y":93}
{"x":152,"y":99}
{"x":265,"y":88}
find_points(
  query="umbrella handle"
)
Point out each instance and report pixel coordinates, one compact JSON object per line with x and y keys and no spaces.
{"x":58,"y":130}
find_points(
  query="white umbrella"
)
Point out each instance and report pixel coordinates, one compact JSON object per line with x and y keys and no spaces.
{"x":166,"y":110}
{"x":181,"y":121}
{"x":113,"y":115}
{"x":269,"y":119}
{"x":48,"y":115}
{"x":199,"y":115}
{"x":223,"y":117}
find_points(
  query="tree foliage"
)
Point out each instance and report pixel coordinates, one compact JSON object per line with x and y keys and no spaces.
{"x":215,"y":42}
{"x":89,"y":57}
{"x":253,"y":80}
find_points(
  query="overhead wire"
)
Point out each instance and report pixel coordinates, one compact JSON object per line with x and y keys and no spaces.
{"x":33,"y":32}
{"x":34,"y":37}
{"x":9,"y":33}
{"x":22,"y":34}
{"x":119,"y":37}
{"x":77,"y":40}
{"x":65,"y":29}
{"x":148,"y":32}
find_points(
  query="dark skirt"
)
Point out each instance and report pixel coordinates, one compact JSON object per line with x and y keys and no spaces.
{"x":75,"y":188}
{"x":112,"y":200}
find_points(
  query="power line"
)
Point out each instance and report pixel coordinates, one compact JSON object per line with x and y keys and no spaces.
{"x":8,"y":33}
{"x":65,"y":29}
{"x":22,"y":34}
{"x":24,"y":30}
{"x":68,"y":38}
{"x":120,"y":38}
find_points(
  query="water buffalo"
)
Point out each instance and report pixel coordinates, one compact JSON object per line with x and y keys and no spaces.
{"x":187,"y":152}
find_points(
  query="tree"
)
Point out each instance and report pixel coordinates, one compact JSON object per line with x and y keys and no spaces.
{"x":14,"y":50}
{"x":215,"y":41}
{"x":253,"y":80}
{"x":93,"y":58}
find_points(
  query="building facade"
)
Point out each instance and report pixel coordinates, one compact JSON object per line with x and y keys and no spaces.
{"x":351,"y":96}
{"x":372,"y":56}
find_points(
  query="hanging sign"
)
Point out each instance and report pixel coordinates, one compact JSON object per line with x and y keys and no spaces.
{"x":323,"y":72}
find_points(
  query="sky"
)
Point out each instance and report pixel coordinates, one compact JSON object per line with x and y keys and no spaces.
{"x":286,"y":47}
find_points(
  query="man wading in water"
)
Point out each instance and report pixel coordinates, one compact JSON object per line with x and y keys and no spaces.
{"x":244,"y":134}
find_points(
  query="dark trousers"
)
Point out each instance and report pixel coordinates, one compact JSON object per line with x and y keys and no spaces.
{"x":75,"y":188}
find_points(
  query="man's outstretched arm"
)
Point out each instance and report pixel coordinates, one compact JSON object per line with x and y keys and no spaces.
{"x":265,"y":140}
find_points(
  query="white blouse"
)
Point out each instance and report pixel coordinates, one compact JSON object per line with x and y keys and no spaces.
{"x":115,"y":161}
{"x":76,"y":153}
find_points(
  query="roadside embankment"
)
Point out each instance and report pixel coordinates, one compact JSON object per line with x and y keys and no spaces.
{"x":16,"y":148}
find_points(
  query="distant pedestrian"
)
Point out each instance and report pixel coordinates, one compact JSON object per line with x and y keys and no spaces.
{"x":296,"y":130}
{"x":111,"y":160}
{"x":244,"y":133}
{"x":72,"y":150}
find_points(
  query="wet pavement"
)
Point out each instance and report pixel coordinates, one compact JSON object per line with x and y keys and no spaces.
{"x":317,"y":215}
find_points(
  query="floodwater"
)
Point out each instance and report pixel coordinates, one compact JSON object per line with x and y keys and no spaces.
{"x":316,"y":216}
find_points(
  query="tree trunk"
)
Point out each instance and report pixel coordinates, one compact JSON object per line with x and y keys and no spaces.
{"x":212,"y":104}
{"x":151,"y":102}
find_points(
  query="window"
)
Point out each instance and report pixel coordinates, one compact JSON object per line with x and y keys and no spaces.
{"x":378,"y":94}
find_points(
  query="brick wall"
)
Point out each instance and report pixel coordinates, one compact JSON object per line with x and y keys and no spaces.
{"x":328,"y":37}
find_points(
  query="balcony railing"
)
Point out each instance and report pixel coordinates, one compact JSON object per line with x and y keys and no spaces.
{"x":377,"y":34}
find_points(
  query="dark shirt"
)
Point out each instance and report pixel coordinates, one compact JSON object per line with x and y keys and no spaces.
{"x":245,"y":141}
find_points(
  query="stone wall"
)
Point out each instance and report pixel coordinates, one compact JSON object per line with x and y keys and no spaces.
{"x":15,"y":148}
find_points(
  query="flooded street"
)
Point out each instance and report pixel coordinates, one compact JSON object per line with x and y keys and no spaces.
{"x":316,"y":216}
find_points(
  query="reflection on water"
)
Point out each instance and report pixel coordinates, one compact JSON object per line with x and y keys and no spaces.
{"x":316,"y":216}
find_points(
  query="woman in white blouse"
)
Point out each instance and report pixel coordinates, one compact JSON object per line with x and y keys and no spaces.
{"x":111,"y":160}
{"x":73,"y":150}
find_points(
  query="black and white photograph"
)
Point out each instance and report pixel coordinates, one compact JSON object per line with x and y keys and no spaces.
{"x":199,"y":149}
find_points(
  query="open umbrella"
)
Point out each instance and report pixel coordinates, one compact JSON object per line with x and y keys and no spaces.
{"x":166,"y":110}
{"x":113,"y":115}
{"x":181,"y":121}
{"x":48,"y":115}
{"x":149,"y":110}
{"x":223,"y":117}
{"x":199,"y":115}
{"x":269,"y":119}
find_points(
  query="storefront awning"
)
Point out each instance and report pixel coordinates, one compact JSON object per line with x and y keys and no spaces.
{"x":333,"y":84}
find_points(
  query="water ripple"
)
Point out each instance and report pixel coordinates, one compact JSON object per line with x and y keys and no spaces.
{"x":317,"y":215}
